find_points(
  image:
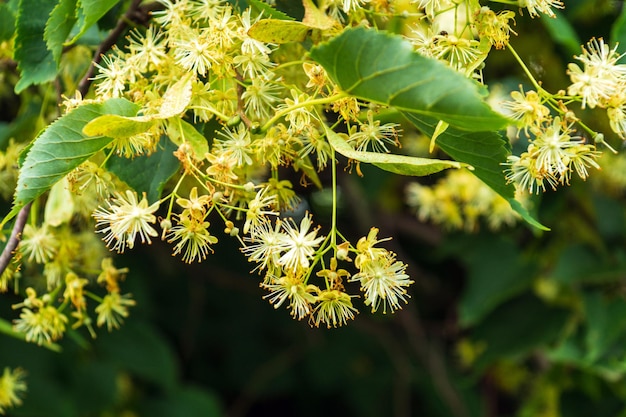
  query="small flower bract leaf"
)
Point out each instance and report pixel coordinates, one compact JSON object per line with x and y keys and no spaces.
{"x":399,"y":164}
{"x":60,"y":148}
{"x":176,"y":98}
{"x":316,"y":18}
{"x":115,"y":126}
{"x":384,"y":69}
{"x":59,"y":206}
{"x":279,"y":31}
{"x":180,"y":131}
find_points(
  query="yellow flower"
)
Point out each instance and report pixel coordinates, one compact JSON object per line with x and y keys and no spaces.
{"x":194,"y":239}
{"x":334,"y":309}
{"x":113,"y":309}
{"x":384,"y":281}
{"x":541,"y":6}
{"x":111,"y":275}
{"x":12,"y":386}
{"x":74,"y":290}
{"x":264,"y":245}
{"x":125,"y":219}
{"x":528,"y":108}
{"x":43,"y":325}
{"x":291,"y":288}
{"x":39,"y":244}
{"x":194,"y":206}
{"x":366,"y":250}
{"x":255,"y":214}
{"x":495,"y":27}
{"x":373,"y":135}
{"x":299,"y":244}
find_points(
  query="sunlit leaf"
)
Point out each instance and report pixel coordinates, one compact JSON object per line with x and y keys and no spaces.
{"x":176,"y":98}
{"x":315,"y":18}
{"x":384,"y":69}
{"x":59,"y":205}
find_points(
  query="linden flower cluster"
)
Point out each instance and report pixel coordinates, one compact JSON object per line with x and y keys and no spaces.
{"x":601,"y":82}
{"x":198,"y":66}
{"x":551,"y":158}
{"x":12,"y":388}
{"x":459,"y":201}
{"x":555,"y":153}
{"x":59,"y":253}
{"x":287,"y":254}
{"x":45,"y":319}
{"x":461,"y":44}
{"x":198,"y":62}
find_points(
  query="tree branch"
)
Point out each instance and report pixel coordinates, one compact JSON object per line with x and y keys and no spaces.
{"x":14,"y":239}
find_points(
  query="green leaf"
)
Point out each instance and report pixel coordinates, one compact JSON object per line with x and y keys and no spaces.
{"x":269,"y":11}
{"x":384,"y":69}
{"x":185,"y":401}
{"x":90,"y":11}
{"x":150,"y":173}
{"x":34,"y":60}
{"x":562,"y":32}
{"x":399,"y":164}
{"x":7,"y":22}
{"x":496,"y":273}
{"x":517,"y":327}
{"x":59,"y":26}
{"x":139,"y":349}
{"x":618,"y":32}
{"x":60,"y":148}
{"x":485,"y":151}
{"x":606,"y":322}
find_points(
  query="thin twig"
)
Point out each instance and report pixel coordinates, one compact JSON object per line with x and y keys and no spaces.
{"x":240,"y":103}
{"x":14,"y":239}
{"x":131,"y":15}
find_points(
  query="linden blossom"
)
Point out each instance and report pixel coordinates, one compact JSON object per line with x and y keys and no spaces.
{"x":126,"y":218}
